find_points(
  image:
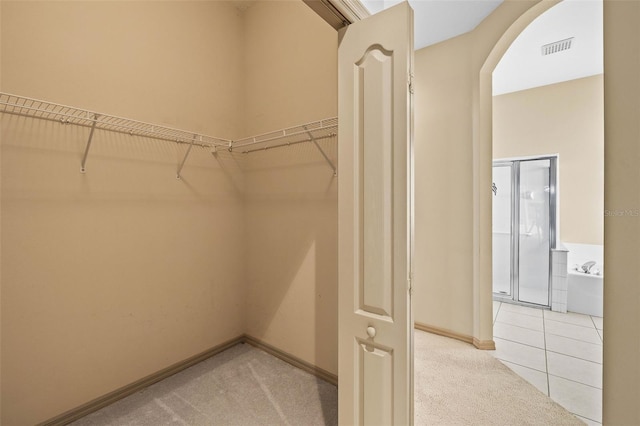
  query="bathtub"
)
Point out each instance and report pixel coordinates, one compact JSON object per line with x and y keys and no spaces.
{"x":584,"y":291}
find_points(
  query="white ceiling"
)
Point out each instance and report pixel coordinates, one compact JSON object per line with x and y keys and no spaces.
{"x":439,"y":20}
{"x":523,"y":66}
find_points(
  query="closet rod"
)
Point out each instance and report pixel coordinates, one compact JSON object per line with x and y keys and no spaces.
{"x":35,"y":108}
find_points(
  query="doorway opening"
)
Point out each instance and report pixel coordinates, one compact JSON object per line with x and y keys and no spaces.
{"x":556,"y":341}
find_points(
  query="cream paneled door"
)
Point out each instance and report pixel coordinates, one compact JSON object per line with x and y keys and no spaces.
{"x":375,"y":187}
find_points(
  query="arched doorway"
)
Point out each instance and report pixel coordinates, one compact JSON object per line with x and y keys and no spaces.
{"x":485,"y":153}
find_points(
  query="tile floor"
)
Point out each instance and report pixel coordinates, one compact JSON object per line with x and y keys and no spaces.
{"x":560,"y":354}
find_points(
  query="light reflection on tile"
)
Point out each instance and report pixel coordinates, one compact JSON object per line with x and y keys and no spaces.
{"x":570,"y":318}
{"x":518,"y":334}
{"x":520,"y":354}
{"x":521,"y":320}
{"x":578,"y":370}
{"x":576,"y":348}
{"x":556,"y":352}
{"x":535,"y":377}
{"x":586,"y":334}
{"x":583,"y":400}
{"x":524,"y":310}
{"x":589,"y":422}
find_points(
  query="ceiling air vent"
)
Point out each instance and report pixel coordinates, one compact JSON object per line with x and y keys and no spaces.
{"x":557,"y":46}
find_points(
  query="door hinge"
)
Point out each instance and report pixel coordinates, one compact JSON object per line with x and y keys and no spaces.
{"x":411,"y":83}
{"x":410,"y":287}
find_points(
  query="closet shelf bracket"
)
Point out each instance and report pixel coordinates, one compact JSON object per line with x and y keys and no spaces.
{"x":186,"y":154}
{"x":324,"y":154}
{"x":86,"y":149}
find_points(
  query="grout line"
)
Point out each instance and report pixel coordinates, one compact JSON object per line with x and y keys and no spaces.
{"x":574,"y":357}
{"x":518,"y":309}
{"x":519,"y":343}
{"x":569,"y":323}
{"x":577,"y":340}
{"x":546,"y":359}
{"x":574,"y":381}
{"x":520,"y":326}
{"x":520,"y":365}
{"x":585,"y":417}
{"x":523,"y":313}
{"x":597,"y":329}
{"x":574,"y":339}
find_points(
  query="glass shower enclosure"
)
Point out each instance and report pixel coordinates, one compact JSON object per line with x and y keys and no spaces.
{"x":524,"y":229}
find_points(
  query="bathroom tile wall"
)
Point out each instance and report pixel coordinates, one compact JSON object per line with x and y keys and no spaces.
{"x":559,"y":283}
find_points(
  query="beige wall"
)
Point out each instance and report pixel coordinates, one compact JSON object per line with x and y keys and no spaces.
{"x":115,"y":274}
{"x":453,"y":263}
{"x":621,"y":385}
{"x":1,"y":2}
{"x":291,"y":193}
{"x":566,"y":119}
{"x":290,"y":64}
{"x":446,"y":116}
{"x":443,"y":224}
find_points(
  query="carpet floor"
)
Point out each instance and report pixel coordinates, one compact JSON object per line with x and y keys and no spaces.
{"x":240,"y":386}
{"x":455,"y":384}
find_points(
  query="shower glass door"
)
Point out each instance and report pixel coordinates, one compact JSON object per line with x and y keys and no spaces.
{"x":523,"y":229}
{"x":502,"y":228}
{"x":535,"y":236}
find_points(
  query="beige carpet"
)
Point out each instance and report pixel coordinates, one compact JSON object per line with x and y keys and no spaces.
{"x":457,"y":384}
{"x":241,"y":386}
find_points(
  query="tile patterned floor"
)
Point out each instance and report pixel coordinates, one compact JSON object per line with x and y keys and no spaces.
{"x":560,"y":354}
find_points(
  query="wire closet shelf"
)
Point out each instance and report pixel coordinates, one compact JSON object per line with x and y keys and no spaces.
{"x":35,"y":108}
{"x":304,"y":133}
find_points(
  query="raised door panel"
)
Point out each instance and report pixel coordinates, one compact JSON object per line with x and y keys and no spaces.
{"x":374,"y":119}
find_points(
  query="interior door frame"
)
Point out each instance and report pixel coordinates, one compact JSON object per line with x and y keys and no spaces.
{"x":339,"y":13}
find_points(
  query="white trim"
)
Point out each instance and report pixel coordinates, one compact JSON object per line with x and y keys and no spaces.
{"x":353,"y":10}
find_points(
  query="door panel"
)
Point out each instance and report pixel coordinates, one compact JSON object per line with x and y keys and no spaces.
{"x":374,"y":201}
{"x":374,"y":86}
{"x":502,"y":229}
{"x":534,"y":246}
{"x":375,"y":365}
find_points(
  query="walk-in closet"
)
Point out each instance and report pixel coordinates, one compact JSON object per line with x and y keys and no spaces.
{"x":169,"y":192}
{"x":168,"y":183}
